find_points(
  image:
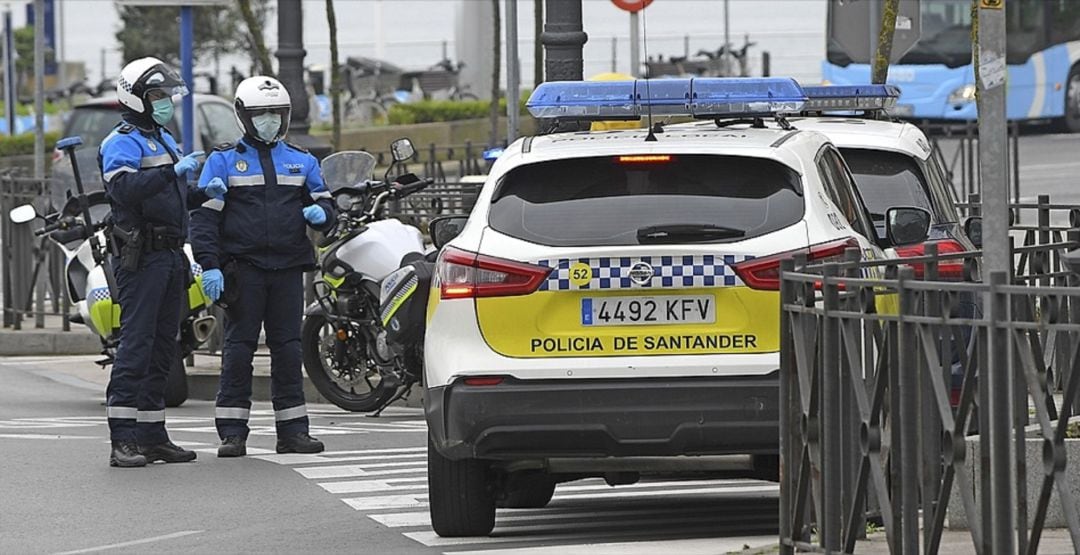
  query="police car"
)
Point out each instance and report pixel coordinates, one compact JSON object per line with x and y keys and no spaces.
{"x":611,"y":306}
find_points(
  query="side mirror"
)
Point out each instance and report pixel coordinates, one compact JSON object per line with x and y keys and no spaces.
{"x":444,"y":228}
{"x":23,"y":214}
{"x":907,"y":225}
{"x":973,"y":230}
{"x":402,"y":150}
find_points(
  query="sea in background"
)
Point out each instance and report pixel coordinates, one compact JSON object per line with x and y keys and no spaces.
{"x":415,"y":33}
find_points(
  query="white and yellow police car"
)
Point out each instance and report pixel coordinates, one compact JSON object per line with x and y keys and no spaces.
{"x":611,"y":306}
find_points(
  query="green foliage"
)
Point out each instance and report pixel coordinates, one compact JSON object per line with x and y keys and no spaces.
{"x":155,"y":31}
{"x":26,"y":109}
{"x":428,"y":111}
{"x":24,"y":144}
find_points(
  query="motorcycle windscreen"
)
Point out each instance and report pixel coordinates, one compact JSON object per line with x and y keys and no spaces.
{"x":347,"y":169}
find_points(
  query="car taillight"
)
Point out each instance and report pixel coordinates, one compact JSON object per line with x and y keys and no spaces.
{"x":764,"y":273}
{"x":57,"y":155}
{"x":947,"y":269}
{"x":466,"y":275}
{"x":484,"y":380}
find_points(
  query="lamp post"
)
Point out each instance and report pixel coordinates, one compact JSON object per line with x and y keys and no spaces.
{"x":290,"y":55}
{"x":563,"y":41}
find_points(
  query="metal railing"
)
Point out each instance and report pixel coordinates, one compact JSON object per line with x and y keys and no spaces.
{"x":882,"y":412}
{"x":32,"y":267}
{"x":961,"y":161}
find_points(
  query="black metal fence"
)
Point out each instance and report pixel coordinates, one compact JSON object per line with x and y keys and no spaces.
{"x":956,"y":147}
{"x":905,"y":399}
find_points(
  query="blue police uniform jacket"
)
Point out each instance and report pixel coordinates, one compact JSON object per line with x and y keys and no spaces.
{"x":260,"y":220}
{"x":142,"y":188}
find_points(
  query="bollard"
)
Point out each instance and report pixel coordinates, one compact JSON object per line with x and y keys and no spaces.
{"x":907,"y":419}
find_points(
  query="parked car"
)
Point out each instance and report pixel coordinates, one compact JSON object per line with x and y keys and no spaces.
{"x":93,"y":120}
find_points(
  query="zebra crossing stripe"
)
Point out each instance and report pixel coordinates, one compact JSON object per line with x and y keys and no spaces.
{"x":350,"y":470}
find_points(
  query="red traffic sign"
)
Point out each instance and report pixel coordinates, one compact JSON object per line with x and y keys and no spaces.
{"x":632,"y":6}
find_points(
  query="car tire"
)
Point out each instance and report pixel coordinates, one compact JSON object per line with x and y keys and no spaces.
{"x":1071,"y":123}
{"x":461,"y":497}
{"x":534,"y":494}
{"x":176,"y":386}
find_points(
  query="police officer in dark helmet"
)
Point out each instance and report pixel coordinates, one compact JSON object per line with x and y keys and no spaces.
{"x":145,"y":178}
{"x":265,"y":194}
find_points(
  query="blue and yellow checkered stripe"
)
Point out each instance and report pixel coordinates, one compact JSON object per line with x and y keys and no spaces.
{"x":670,"y":272}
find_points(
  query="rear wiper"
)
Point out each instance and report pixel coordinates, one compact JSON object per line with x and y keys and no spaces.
{"x":686,"y":233}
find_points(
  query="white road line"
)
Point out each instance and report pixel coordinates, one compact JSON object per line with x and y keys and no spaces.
{"x":697,"y":546}
{"x":354,"y":471}
{"x":552,"y":533}
{"x":318,"y":459}
{"x":345,"y":456}
{"x":370,"y":486}
{"x":43,"y":436}
{"x":174,"y":535}
{"x":382,"y":502}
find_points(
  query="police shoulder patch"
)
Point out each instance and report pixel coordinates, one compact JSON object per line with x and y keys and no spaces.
{"x":295,"y":147}
{"x":224,"y":146}
{"x":125,"y":128}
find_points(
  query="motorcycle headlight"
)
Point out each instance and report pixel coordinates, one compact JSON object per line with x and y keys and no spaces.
{"x":963,"y":95}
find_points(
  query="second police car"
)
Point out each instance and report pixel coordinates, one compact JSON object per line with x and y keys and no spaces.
{"x":611,"y":306}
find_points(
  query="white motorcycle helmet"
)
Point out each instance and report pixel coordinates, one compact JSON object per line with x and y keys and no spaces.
{"x":262,"y":108}
{"x":145,"y":80}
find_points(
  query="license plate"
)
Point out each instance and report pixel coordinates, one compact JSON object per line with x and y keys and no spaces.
{"x":642,"y":311}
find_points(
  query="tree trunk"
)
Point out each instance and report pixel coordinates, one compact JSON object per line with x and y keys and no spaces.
{"x":335,"y":75}
{"x":538,"y":47}
{"x":885,"y":40}
{"x":261,"y":54}
{"x":496,"y":52}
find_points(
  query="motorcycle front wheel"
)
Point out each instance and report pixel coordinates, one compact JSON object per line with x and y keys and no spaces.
{"x":354,"y":383}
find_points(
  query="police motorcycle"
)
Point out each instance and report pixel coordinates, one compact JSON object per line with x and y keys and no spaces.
{"x":363,"y":335}
{"x":79,"y":228}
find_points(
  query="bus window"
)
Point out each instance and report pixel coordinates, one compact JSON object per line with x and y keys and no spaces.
{"x":1064,"y":18}
{"x":1026,"y":29}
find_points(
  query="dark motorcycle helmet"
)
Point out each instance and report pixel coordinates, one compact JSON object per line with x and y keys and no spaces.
{"x":143,"y":81}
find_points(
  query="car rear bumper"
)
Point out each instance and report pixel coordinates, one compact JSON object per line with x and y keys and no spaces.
{"x":542,"y":419}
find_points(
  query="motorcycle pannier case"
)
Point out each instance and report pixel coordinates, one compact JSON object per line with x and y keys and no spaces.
{"x":403,"y":300}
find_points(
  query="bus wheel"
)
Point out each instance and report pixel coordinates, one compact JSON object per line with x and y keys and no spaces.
{"x":1072,"y":101}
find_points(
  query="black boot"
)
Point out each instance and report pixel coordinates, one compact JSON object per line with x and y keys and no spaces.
{"x":168,"y":452}
{"x":232,"y":446}
{"x":125,"y":454}
{"x":299,"y":443}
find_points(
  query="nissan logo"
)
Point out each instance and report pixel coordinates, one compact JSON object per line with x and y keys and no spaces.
{"x":641,"y":273}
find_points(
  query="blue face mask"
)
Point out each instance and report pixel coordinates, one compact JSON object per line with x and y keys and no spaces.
{"x":163,"y":110}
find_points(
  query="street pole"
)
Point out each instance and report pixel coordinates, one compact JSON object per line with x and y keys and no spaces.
{"x":9,"y":73}
{"x":39,"y":136}
{"x":563,"y":40}
{"x":635,"y":45}
{"x":513,"y":67}
{"x":290,"y":55}
{"x":61,"y":65}
{"x":727,"y":33}
{"x":187,"y":34}
{"x":993,"y":140}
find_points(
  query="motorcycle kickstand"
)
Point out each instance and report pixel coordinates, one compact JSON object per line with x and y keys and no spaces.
{"x":403,"y":391}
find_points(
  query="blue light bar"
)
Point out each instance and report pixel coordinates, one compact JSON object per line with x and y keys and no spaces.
{"x":845,"y":98}
{"x":699,"y":97}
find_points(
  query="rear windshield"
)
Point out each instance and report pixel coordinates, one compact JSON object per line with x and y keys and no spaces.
{"x":93,"y":124}
{"x":890,"y":179}
{"x":686,"y":198}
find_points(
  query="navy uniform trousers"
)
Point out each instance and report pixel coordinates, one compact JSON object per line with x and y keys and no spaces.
{"x":274,"y":299}
{"x":150,"y":301}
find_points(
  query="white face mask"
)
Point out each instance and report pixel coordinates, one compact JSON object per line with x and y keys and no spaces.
{"x":267,"y":126}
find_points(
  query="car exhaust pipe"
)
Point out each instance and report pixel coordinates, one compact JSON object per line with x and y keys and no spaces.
{"x":203,"y":327}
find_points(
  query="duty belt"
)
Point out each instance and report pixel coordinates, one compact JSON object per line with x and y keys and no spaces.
{"x":161,"y":240}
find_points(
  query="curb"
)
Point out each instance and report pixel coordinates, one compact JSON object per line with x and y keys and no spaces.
{"x":34,"y":342}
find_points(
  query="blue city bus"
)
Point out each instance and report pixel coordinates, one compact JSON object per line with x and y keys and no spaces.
{"x":936,"y":77}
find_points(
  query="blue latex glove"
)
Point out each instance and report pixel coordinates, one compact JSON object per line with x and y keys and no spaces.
{"x":213,"y":283}
{"x":187,"y":163}
{"x":215,"y":188}
{"x":314,"y":214}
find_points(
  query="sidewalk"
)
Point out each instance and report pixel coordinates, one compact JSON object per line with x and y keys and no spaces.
{"x":1054,"y":541}
{"x":50,"y":340}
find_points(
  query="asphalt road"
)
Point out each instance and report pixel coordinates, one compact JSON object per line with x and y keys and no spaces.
{"x":366,"y":494}
{"x":1049,"y":165}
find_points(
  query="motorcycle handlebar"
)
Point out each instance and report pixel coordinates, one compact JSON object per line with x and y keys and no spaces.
{"x":401,"y":191}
